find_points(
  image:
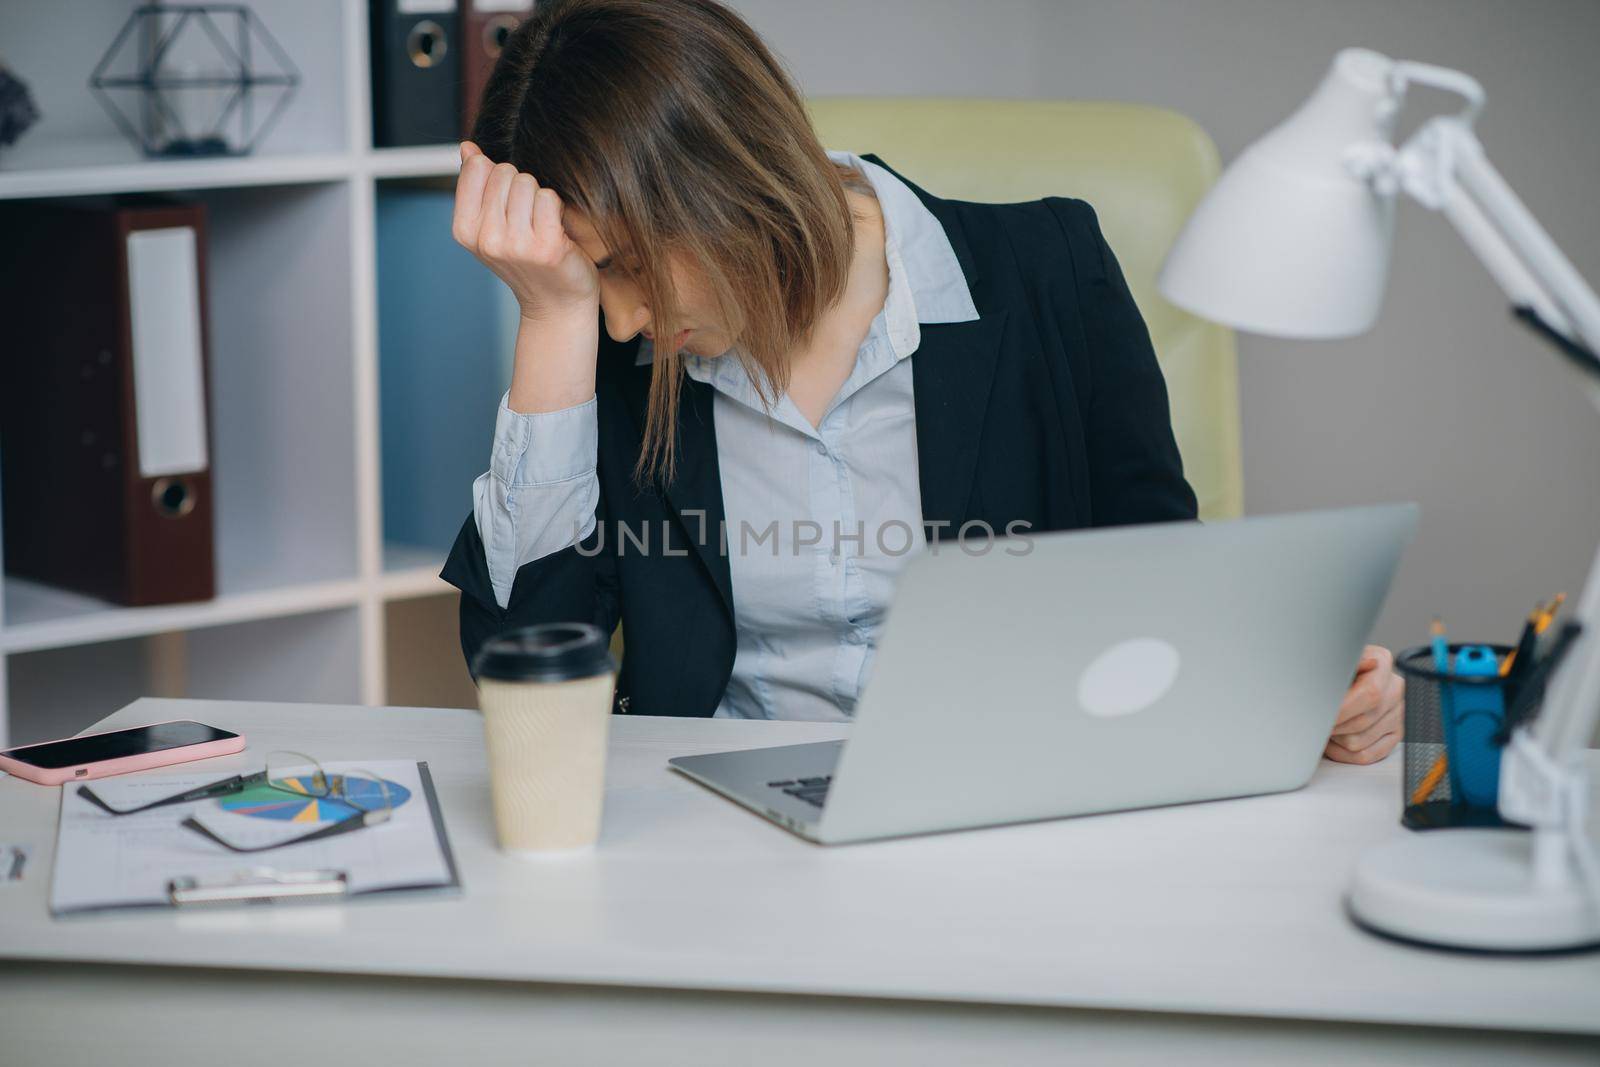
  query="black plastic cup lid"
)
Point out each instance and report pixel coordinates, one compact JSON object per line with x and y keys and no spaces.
{"x":550,"y":652}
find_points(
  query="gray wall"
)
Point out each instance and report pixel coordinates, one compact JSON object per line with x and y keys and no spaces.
{"x":1446,"y":401}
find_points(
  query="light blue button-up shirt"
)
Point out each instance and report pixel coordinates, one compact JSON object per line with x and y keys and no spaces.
{"x":820,"y":519}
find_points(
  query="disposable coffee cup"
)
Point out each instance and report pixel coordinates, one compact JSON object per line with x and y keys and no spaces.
{"x":545,"y":692}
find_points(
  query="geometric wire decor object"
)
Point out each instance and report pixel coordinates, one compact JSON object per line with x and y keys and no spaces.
{"x":194,"y":79}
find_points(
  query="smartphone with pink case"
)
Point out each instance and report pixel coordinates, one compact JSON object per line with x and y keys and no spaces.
{"x":139,"y":748}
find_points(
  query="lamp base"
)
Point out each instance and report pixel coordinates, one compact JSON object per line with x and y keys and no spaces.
{"x":1470,"y":889}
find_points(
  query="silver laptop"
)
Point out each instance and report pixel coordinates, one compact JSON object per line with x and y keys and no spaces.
{"x":1099,"y":671}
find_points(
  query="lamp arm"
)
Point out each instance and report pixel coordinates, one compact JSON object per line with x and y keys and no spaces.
{"x":1496,"y":254}
{"x":1444,"y":167}
{"x":1554,"y":273}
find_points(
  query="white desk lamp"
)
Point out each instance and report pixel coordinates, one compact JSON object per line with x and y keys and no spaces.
{"x":1294,"y":241}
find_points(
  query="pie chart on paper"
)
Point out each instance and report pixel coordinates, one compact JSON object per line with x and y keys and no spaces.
{"x":269,"y":802}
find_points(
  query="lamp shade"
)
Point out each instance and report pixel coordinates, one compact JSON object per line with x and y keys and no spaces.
{"x":1290,"y":241}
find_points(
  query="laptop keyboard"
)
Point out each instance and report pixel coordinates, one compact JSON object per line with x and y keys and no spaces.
{"x":811,"y":790}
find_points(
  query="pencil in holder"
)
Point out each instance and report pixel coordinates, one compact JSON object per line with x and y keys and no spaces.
{"x":1454,"y":736}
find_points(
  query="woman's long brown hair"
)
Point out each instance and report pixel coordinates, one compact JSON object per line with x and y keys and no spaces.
{"x":672,"y":127}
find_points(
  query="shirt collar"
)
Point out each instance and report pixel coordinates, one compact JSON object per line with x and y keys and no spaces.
{"x":926,"y":283}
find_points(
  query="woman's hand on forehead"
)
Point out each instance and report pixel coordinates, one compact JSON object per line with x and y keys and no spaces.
{"x":515,"y":228}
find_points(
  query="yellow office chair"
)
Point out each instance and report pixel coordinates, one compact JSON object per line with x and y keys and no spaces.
{"x":1142,"y":168}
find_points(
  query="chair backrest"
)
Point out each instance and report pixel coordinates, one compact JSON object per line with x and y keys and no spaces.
{"x":1142,"y":168}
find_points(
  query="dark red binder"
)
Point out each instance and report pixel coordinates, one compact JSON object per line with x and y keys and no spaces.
{"x":485,"y":25}
{"x":416,"y":72}
{"x":104,"y":423}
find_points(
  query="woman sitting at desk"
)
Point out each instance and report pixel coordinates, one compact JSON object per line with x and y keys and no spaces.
{"x":834,"y":367}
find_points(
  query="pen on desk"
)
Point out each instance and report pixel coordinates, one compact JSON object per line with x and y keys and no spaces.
{"x":1441,"y":663}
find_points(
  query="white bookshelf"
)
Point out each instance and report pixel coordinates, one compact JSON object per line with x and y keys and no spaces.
{"x":307,"y":582}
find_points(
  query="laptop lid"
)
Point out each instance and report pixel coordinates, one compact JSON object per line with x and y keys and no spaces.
{"x":1077,"y":672}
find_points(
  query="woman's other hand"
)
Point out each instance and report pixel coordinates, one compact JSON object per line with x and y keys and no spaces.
{"x":513,"y":226}
{"x":1372,"y":716}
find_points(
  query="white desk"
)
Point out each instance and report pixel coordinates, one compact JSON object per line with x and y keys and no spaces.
{"x":697,"y":932}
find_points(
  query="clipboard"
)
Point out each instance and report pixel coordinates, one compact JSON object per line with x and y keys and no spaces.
{"x":148,"y":860}
{"x":260,"y":885}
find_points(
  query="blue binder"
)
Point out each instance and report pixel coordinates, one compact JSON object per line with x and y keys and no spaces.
{"x":446,"y":335}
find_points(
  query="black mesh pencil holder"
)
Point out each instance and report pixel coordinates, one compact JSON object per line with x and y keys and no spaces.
{"x":1453,"y":739}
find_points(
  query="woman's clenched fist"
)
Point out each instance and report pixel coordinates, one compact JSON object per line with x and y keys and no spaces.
{"x":514,"y":227}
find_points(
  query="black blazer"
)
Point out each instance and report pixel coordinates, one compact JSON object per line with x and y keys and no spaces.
{"x":1048,"y":408}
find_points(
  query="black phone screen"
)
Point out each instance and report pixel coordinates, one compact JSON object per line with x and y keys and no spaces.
{"x":117,"y":744}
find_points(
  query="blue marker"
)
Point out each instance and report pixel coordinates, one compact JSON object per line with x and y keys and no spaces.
{"x":1472,"y":717}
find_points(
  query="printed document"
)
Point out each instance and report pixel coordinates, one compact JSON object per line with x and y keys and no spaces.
{"x":110,"y":861}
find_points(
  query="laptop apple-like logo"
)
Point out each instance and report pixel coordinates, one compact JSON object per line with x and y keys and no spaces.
{"x":1128,"y":677}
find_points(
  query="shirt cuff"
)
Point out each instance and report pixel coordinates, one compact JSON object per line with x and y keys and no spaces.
{"x":545,"y":447}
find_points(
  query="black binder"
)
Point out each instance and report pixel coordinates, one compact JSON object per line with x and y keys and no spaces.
{"x":416,"y":72}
